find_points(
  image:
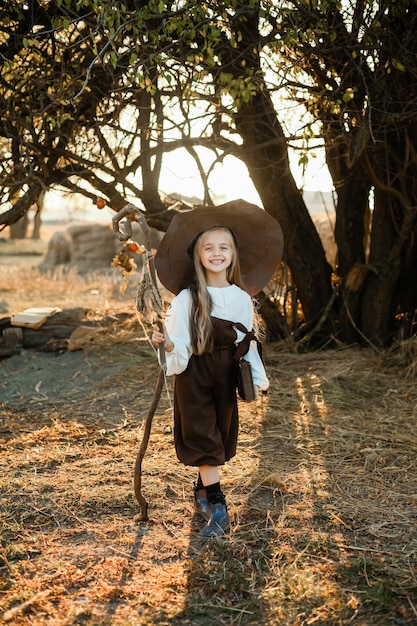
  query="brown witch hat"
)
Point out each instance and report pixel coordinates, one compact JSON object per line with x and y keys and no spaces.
{"x":258,"y":236}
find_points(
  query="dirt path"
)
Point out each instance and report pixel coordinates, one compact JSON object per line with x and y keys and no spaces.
{"x":322,"y":496}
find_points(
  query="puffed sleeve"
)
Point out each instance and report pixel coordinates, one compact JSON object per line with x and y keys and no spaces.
{"x":258,"y":370}
{"x":177,"y":325}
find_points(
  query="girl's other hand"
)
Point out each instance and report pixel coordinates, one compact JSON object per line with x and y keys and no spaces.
{"x":159,"y":337}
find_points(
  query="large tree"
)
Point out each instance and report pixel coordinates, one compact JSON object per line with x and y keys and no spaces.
{"x":359,"y":65}
{"x":87,"y":94}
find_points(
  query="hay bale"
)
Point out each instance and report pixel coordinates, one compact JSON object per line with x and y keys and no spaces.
{"x":92,"y":246}
{"x":58,"y":251}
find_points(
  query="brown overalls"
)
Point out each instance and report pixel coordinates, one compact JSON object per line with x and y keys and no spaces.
{"x":205,"y":403}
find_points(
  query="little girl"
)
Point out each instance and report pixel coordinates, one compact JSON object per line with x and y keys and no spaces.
{"x":211,"y":314}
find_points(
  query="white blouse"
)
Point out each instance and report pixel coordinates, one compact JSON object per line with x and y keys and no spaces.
{"x":229,"y":303}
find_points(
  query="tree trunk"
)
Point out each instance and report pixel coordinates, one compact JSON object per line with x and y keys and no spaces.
{"x":37,"y":223}
{"x":351,"y":235}
{"x":265,"y":154}
{"x":377,"y":305}
{"x":19,"y":229}
{"x":391,"y":166}
{"x":384,"y":270}
{"x":37,"y":219}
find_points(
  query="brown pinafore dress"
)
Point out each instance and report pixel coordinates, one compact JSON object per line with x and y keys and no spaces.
{"x":205,"y":402}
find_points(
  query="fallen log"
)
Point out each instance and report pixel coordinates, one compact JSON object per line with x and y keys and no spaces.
{"x":54,"y":333}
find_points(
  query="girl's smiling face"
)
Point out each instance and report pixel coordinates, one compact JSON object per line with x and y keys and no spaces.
{"x":216,"y":252}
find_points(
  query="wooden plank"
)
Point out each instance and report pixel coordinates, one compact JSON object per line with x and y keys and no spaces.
{"x":33,"y":317}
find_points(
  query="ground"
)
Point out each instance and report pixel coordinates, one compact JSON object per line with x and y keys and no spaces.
{"x":322,"y":493}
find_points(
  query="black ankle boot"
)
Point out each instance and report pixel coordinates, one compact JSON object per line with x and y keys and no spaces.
{"x":201,"y":505}
{"x":219,"y":522}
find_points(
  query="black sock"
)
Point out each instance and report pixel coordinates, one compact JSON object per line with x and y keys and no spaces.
{"x":214,"y":494}
{"x":199,"y":484}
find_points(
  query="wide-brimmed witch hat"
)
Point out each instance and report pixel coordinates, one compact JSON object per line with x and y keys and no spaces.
{"x":258,"y":236}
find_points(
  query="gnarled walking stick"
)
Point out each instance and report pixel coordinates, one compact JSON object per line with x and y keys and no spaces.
{"x":137,"y":476}
{"x":149,"y":305}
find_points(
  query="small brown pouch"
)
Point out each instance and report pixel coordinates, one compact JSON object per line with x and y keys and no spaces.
{"x":245,"y":386}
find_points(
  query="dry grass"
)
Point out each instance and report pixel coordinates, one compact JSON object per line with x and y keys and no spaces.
{"x":64,"y":288}
{"x":322,"y":493}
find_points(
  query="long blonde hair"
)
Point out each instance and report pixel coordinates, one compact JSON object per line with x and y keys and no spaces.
{"x":201,"y":327}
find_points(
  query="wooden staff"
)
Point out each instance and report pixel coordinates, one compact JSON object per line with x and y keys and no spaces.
{"x":148,"y":299}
